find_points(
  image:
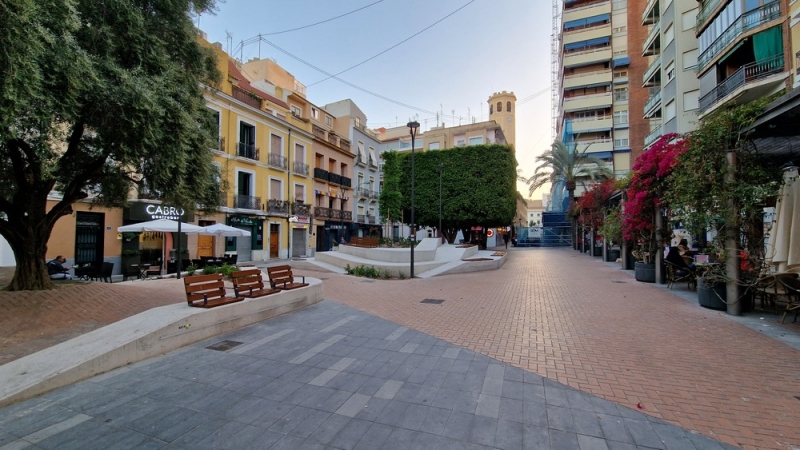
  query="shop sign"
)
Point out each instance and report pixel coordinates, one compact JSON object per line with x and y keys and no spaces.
{"x":335,"y":227}
{"x":152,"y":211}
{"x":242,"y":220}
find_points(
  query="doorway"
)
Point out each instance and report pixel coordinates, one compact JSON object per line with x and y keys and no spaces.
{"x":89,"y":237}
{"x":274,"y":239}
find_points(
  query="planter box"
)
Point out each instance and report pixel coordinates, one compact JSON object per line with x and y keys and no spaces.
{"x":712,"y":295}
{"x":598,"y":251}
{"x":612,"y":255}
{"x":646,"y":273}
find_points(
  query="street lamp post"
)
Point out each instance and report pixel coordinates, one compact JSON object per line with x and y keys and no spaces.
{"x":440,"y":201}
{"x":413,"y":127}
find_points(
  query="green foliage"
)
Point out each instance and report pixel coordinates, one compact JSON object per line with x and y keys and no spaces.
{"x":226,"y":270}
{"x":130,"y":252}
{"x":210,"y":270}
{"x":96,"y":99}
{"x":191,"y":270}
{"x":390,"y":200}
{"x":478,"y":186}
{"x":365,"y":271}
{"x":611,"y":229}
{"x":562,"y":163}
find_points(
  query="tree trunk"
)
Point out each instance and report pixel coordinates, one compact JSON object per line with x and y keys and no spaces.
{"x":30,"y":251}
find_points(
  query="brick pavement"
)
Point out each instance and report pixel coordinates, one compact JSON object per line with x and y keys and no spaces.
{"x":555,"y":312}
{"x":589,"y":325}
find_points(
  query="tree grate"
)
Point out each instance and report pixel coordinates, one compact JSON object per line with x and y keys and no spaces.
{"x":224,"y":345}
{"x":433,"y":301}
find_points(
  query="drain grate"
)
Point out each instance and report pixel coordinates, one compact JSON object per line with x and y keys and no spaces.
{"x":618,"y":281}
{"x":224,"y":345}
{"x":433,"y":301}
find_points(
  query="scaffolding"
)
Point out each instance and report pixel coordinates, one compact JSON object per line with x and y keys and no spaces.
{"x":555,"y":68}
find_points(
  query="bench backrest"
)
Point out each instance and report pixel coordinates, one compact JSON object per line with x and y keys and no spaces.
{"x":364,"y":241}
{"x":248,"y":279}
{"x":197,"y":286}
{"x":279,"y":275}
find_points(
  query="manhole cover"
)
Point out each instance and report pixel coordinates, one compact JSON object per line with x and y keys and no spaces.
{"x":433,"y":301}
{"x":617,"y":281}
{"x":224,"y":345}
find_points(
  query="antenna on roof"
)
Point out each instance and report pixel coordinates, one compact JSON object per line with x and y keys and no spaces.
{"x":228,"y":41}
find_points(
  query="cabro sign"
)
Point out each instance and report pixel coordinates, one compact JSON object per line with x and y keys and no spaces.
{"x":140,"y":211}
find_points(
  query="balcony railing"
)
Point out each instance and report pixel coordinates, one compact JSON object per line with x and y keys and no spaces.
{"x":335,"y":178}
{"x":318,"y":132}
{"x":300,"y":168}
{"x":708,"y":7}
{"x":246,"y":97}
{"x":248,"y":151}
{"x":277,"y":160}
{"x":655,"y":65}
{"x":746,"y":74}
{"x":332,"y":138}
{"x":651,"y":38}
{"x":372,"y":219}
{"x":221,"y":146}
{"x":322,"y":213}
{"x":653,"y":101}
{"x":344,"y":144}
{"x":246,"y":202}
{"x":649,"y":9}
{"x":361,"y":218}
{"x":322,"y":174}
{"x":333,"y":214}
{"x":278,"y":207}
{"x":346,"y":181}
{"x":653,"y":136}
{"x":364,"y":192}
{"x":361,"y":161}
{"x":301,"y":209}
{"x":744,"y":23}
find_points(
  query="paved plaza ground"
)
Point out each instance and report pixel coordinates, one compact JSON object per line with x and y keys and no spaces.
{"x":554,"y":313}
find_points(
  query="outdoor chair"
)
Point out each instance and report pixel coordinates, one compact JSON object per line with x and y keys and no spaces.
{"x":105,"y":272}
{"x":676,"y":274}
{"x":792,"y":287}
{"x":770,"y":290}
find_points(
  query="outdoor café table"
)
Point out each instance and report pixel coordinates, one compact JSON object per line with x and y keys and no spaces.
{"x":142,"y":269}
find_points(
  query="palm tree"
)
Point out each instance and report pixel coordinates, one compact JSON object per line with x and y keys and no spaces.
{"x":562,"y":164}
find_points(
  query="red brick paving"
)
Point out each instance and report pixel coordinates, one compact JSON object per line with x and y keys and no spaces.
{"x":556,"y":312}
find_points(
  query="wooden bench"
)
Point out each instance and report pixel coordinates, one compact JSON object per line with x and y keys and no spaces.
{"x":368,"y":242}
{"x":250,"y":284}
{"x":281,"y":277}
{"x":207,"y":291}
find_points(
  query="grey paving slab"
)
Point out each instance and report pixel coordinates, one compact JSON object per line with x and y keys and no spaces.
{"x":330,"y":377}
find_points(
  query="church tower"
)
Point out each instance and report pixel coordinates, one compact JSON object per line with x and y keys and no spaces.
{"x":502,"y":109}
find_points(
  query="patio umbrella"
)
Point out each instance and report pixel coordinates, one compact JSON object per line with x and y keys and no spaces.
{"x":163,"y":226}
{"x":222,"y":230}
{"x":786,"y":231}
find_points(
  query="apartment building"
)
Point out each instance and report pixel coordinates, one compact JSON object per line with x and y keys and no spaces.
{"x":744,"y":51}
{"x":534,"y":212}
{"x":593,"y":112}
{"x":794,"y":29}
{"x":670,"y":48}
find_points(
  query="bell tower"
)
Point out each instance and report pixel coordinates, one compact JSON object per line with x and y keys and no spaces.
{"x":502,"y":109}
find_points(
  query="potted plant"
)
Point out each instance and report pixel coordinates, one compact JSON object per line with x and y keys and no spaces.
{"x":592,"y":211}
{"x":611,"y":230}
{"x":645,"y":199}
{"x":709,"y":193}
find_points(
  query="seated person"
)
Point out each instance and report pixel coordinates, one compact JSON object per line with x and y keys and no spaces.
{"x":683,"y":248}
{"x":56,"y":269}
{"x":674,"y":257}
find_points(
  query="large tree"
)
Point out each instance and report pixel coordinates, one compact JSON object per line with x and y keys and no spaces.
{"x":98,"y":99}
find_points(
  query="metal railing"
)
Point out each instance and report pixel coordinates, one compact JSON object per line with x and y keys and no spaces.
{"x":335,"y":178}
{"x":322,"y":213}
{"x":651,"y":36}
{"x":651,"y":102}
{"x":708,"y":7}
{"x":246,"y":202}
{"x":653,"y":136}
{"x":277,"y":160}
{"x":346,"y":181}
{"x":248,"y":151}
{"x":301,"y":209}
{"x":649,"y":8}
{"x":746,"y":74}
{"x":278,"y":207}
{"x":322,"y":174}
{"x":744,"y":23}
{"x":300,"y":168}
{"x":656,"y":64}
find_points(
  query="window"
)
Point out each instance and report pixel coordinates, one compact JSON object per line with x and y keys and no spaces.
{"x":247,"y":133}
{"x":491,"y":108}
{"x":275,"y":190}
{"x":372,"y":183}
{"x":691,"y":100}
{"x":315,"y":113}
{"x":621,"y":94}
{"x":433,"y":146}
{"x":296,"y":111}
{"x":669,"y":111}
{"x":299,"y":154}
{"x":508,"y":106}
{"x":477,"y":140}
{"x":373,"y":161}
{"x":620,"y":117}
{"x":690,"y":60}
{"x":619,"y":29}
{"x":460,"y":142}
{"x":362,"y":155}
{"x":360,"y":184}
{"x":358,"y":122}
{"x":620,"y":74}
{"x":669,"y":35}
{"x":499,"y":106}
{"x":299,"y":193}
{"x":669,"y":72}
{"x":275,"y":144}
{"x":619,"y":4}
{"x":215,"y":119}
{"x":620,"y":143}
{"x":244,"y":183}
{"x":688,"y":20}
{"x":329,"y":121}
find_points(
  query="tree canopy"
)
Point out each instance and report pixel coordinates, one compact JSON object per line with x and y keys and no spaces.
{"x":98,"y":99}
{"x":478,"y":186}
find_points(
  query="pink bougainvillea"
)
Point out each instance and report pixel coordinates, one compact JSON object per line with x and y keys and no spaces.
{"x":647,"y":187}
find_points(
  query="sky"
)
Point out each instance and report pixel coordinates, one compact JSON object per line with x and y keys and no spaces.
{"x":472,"y":49}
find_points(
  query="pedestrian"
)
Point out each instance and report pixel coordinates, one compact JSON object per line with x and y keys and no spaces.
{"x":341,"y":241}
{"x":505,"y":238}
{"x":57,"y":270}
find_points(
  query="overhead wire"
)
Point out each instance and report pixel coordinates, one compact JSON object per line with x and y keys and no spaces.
{"x":322,"y":21}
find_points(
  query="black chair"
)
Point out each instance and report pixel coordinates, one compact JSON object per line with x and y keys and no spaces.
{"x":105,"y":272}
{"x":129,"y":272}
{"x":678,"y":270}
{"x":792,"y":286}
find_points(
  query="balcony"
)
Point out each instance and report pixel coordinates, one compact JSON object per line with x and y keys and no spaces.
{"x":584,"y":34}
{"x":346,"y":181}
{"x":584,"y":11}
{"x":708,"y":8}
{"x":360,"y":161}
{"x":652,"y":70}
{"x":652,"y":44}
{"x":749,"y":76}
{"x":586,"y":57}
{"x":333,"y":214}
{"x":653,"y":136}
{"x":344,"y":144}
{"x":651,"y":13}
{"x":595,"y":145}
{"x":586,"y":102}
{"x":373,"y":162}
{"x":248,"y":151}
{"x":278,"y":207}
{"x":301,"y":209}
{"x":653,"y":104}
{"x":247,"y":97}
{"x":321,"y":174}
{"x":318,"y":132}
{"x":277,"y":160}
{"x":587,"y":79}
{"x":322,"y":213}
{"x":334,"y":178}
{"x":591,"y":124}
{"x":746,"y":22}
{"x":246,"y":202}
{"x":300,"y":168}
{"x":332,"y":138}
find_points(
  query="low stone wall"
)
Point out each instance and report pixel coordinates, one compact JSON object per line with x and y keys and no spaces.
{"x":424,"y":251}
{"x":151,"y":333}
